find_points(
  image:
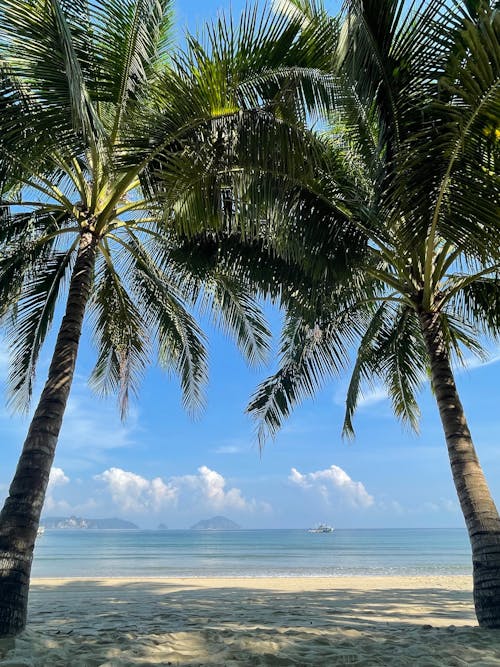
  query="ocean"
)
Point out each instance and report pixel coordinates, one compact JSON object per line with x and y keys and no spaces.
{"x":250,"y":553}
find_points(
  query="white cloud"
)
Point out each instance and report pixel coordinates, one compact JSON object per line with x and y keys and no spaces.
{"x":373,"y":395}
{"x":379,"y":393}
{"x":134,"y":493}
{"x":208,"y":488}
{"x":57,"y":478}
{"x":87,"y":434}
{"x":333,"y":479}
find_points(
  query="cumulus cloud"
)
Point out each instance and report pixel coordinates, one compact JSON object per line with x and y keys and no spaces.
{"x":57,"y":478}
{"x":211,"y":486}
{"x":333,"y":480}
{"x":134,"y":493}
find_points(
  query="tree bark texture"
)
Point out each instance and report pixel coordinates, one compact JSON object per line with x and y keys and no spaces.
{"x":20,"y":516}
{"x":480,"y":513}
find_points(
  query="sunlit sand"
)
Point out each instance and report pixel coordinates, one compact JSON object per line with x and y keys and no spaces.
{"x":421,"y":621}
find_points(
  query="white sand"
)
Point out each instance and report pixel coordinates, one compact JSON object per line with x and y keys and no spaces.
{"x":400,"y":621}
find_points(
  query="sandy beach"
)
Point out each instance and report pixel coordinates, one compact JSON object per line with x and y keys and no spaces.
{"x":419,"y":621}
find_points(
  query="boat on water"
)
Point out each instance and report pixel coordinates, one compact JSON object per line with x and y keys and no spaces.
{"x":40,"y":530}
{"x":321,"y":528}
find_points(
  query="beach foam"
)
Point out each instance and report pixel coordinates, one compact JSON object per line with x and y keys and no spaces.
{"x":418,"y":621}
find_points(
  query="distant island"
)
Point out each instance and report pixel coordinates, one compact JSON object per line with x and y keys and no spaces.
{"x":216,"y":523}
{"x":162,"y":526}
{"x":76,"y":522}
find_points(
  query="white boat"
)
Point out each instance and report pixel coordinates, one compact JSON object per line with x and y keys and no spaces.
{"x":40,"y":530}
{"x":321,"y":528}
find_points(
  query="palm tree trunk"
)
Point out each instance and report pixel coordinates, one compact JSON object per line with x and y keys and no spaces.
{"x":481,"y":515}
{"x":20,"y":515}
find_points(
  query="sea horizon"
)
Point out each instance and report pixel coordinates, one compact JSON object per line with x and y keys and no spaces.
{"x":237,"y":530}
{"x":253,"y":552}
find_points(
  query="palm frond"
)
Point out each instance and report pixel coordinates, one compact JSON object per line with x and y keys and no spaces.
{"x":310,"y":353}
{"x":365,"y":366}
{"x":477,"y":303}
{"x":121,"y":337}
{"x":180,"y":341}
{"x":132,"y":39}
{"x":453,"y":183}
{"x":403,"y":362}
{"x":24,"y":251}
{"x":40,"y":44}
{"x":240,"y":316}
{"x":34,"y":312}
{"x":211,"y":274}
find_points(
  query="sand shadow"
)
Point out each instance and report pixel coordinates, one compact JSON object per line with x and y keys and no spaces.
{"x":124,"y":623}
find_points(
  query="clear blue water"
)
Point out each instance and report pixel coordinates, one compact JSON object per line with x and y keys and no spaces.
{"x":297,"y":553}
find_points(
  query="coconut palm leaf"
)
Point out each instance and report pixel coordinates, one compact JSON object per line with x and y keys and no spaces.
{"x":312,"y":350}
{"x":34,"y":312}
{"x":364,"y":368}
{"x":239,"y":315}
{"x":23,"y":255}
{"x":479,"y":302}
{"x":38,"y":43}
{"x":132,"y":39}
{"x":401,"y":354}
{"x":120,"y":334}
{"x":179,"y":340}
{"x":460,"y":151}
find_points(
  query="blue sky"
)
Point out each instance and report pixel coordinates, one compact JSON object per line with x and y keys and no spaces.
{"x":161,"y":466}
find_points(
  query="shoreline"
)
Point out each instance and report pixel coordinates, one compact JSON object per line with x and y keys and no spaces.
{"x":252,"y":577}
{"x":272,"y":621}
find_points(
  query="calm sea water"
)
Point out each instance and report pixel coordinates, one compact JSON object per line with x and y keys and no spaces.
{"x":255,"y":553}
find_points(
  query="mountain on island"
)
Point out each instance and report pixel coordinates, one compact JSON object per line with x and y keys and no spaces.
{"x":216,"y":523}
{"x":76,"y":522}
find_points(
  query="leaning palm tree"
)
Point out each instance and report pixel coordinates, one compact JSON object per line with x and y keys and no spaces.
{"x":126,"y":174}
{"x":94,"y":114}
{"x":410,"y":165}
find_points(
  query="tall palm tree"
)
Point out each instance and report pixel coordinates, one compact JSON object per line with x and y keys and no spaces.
{"x":128,"y":174}
{"x":410,"y":165}
{"x":95,"y":113}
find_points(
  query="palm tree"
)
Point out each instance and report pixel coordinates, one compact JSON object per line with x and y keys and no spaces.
{"x":95,"y":114}
{"x":132,"y":175}
{"x":409,"y":167}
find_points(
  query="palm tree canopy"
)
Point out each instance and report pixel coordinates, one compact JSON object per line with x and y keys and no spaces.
{"x":105,"y":130}
{"x":410,"y":156}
